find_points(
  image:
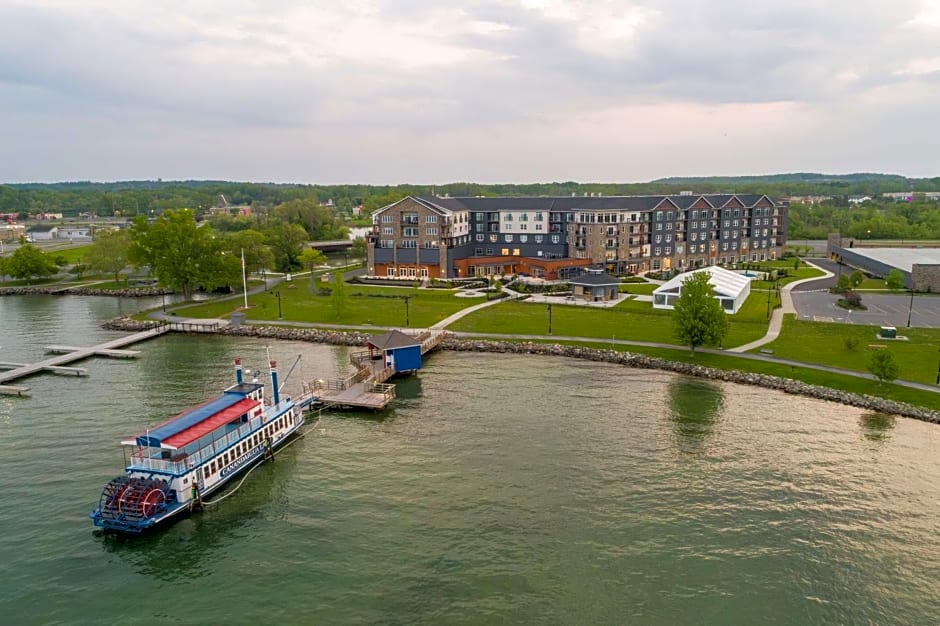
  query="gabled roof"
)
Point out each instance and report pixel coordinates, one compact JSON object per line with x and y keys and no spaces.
{"x":44,"y":228}
{"x":425,"y":202}
{"x":595,"y":279}
{"x":724,"y":282}
{"x":578,"y":203}
{"x":393,"y":339}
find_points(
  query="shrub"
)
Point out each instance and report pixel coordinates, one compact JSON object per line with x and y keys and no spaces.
{"x":851,"y":343}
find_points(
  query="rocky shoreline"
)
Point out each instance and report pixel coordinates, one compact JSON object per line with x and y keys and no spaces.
{"x":130,"y":292}
{"x":627,"y":359}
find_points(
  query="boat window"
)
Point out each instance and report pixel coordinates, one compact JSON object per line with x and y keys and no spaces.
{"x":205,"y":472}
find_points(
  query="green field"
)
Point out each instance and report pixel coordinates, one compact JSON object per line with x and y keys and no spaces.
{"x":819,"y":342}
{"x":365,"y":305}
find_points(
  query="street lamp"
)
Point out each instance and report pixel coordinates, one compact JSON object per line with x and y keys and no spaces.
{"x":910,"y":310}
{"x":278,"y":294}
{"x":938,"y":372}
{"x":407,"y":320}
{"x":549,"y":318}
{"x":163,"y":293}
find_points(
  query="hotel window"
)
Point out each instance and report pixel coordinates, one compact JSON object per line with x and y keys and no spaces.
{"x":734,"y":223}
{"x":668,"y":250}
{"x":508,"y":238}
{"x":668,"y":238}
{"x":657,"y":251}
{"x":538,"y":238}
{"x":523,"y":226}
{"x":409,"y":243}
{"x":538,"y":216}
{"x":523,"y":238}
{"x":693,"y":237}
{"x":659,"y":226}
{"x":430,"y":245}
{"x":493,"y":237}
{"x":524,"y":217}
{"x":538,"y":227}
{"x":701,"y":247}
{"x":668,"y":225}
{"x":409,"y":231}
{"x":430,"y":219}
{"x":504,"y":252}
{"x":387,"y":219}
{"x":507,"y":217}
{"x":489,"y":252}
{"x":659,"y":238}
{"x":765,"y":232}
{"x":515,"y":251}
{"x":430,"y":231}
{"x":726,"y":223}
{"x":724,"y":245}
{"x":734,"y":245}
{"x":480,"y":237}
{"x":556,"y":238}
{"x":390,"y":272}
{"x":388,"y":230}
{"x":409,"y":218}
{"x":388,"y":243}
{"x":477,"y":251}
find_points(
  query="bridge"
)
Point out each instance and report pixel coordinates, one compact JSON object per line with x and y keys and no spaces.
{"x":336,"y":245}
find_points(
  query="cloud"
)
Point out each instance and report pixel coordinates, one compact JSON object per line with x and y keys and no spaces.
{"x":396,"y":90}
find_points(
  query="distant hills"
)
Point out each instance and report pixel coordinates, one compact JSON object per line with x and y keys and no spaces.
{"x":800,"y":177}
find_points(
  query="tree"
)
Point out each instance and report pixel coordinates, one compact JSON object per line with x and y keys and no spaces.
{"x":4,"y":267}
{"x":287,"y":242}
{"x":258,"y":255}
{"x":857,"y":278}
{"x":883,"y":366}
{"x":699,"y":318}
{"x":311,"y":258}
{"x":108,"y":253}
{"x":30,"y":262}
{"x":796,"y":263}
{"x":843,"y":283}
{"x":895,"y":279}
{"x":358,"y":249}
{"x":182,"y":254}
{"x":338,"y":296}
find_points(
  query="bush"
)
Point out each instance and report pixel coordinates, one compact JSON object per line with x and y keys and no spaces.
{"x":852,"y":299}
{"x":851,"y":343}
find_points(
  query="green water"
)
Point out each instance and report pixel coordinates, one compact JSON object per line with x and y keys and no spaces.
{"x":500,"y":489}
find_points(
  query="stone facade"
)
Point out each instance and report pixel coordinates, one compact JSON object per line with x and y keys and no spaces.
{"x":926,"y":278}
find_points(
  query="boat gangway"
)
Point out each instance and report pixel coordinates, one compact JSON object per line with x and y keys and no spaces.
{"x":70,"y":354}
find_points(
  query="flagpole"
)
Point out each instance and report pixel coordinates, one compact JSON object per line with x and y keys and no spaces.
{"x":244,"y":279}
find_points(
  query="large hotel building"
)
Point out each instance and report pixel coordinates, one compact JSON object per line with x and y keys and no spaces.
{"x":557,"y":237}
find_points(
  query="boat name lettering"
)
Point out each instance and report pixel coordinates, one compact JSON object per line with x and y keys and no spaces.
{"x":237,"y":463}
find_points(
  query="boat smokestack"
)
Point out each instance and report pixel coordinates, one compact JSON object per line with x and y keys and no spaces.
{"x":238,"y":371}
{"x":277,"y":394}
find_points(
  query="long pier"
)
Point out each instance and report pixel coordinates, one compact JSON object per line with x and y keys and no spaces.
{"x":70,"y":354}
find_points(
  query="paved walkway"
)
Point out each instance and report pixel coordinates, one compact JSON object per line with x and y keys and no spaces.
{"x":773,"y":332}
{"x":776,"y":318}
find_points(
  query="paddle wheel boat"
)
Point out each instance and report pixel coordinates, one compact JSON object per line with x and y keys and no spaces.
{"x":172,"y":467}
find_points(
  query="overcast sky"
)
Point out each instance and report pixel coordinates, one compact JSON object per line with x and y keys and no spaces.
{"x":429,"y":91}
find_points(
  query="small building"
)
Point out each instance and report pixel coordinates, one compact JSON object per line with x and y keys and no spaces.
{"x":74,"y":232}
{"x":12,"y":232}
{"x":731,"y":289}
{"x":400,"y":352}
{"x":43,"y":233}
{"x":595,"y":286}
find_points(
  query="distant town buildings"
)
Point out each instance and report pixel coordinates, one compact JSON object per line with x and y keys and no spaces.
{"x":559,"y":237}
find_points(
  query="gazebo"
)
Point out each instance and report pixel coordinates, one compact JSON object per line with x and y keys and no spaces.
{"x":731,"y":288}
{"x":595,"y":286}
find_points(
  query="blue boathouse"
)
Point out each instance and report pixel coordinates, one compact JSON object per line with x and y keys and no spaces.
{"x":399,"y":351}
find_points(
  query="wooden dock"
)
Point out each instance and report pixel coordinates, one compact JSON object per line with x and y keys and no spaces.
{"x":70,"y":354}
{"x":367,"y":387}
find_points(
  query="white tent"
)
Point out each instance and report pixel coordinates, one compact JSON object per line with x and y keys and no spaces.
{"x":730,"y":288}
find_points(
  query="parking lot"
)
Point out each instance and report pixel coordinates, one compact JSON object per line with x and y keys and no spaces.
{"x":883,"y":309}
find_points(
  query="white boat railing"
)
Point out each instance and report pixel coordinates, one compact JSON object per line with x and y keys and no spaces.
{"x":144,"y":459}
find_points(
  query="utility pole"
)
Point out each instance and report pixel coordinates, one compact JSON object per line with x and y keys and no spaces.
{"x":407,"y":320}
{"x":549,"y":318}
{"x":910,"y":310}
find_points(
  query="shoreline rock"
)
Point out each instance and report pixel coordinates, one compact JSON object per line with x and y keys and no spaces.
{"x":130,"y":292}
{"x":627,"y":359}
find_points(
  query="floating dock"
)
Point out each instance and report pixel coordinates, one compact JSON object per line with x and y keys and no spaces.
{"x":70,"y":354}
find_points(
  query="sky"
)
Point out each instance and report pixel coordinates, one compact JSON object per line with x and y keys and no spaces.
{"x":430,"y":91}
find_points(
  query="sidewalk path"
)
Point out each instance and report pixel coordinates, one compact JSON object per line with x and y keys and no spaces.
{"x":776,"y":318}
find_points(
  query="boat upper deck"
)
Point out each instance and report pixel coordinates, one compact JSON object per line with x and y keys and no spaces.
{"x":202,"y":419}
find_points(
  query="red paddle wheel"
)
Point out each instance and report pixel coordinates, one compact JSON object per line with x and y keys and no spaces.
{"x":150,"y":502}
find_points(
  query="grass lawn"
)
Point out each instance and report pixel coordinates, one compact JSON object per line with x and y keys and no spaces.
{"x":815,"y":377}
{"x":629,"y":320}
{"x":638,"y":288}
{"x":379,"y":306}
{"x":818,"y":342}
{"x":72,"y":255}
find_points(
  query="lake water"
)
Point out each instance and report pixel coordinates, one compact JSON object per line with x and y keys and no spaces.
{"x":499,"y":489}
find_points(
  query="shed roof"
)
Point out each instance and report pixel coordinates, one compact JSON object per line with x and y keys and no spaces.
{"x":393,"y":339}
{"x":595,"y":279}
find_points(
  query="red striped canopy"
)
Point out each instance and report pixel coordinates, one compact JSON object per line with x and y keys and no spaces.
{"x":206,"y":426}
